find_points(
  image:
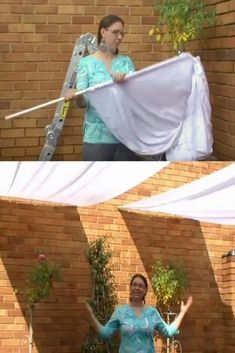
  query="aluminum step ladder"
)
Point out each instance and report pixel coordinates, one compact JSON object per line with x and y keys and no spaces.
{"x":86,"y":43}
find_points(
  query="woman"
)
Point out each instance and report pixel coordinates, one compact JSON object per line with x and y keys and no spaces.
{"x":137,"y":321}
{"x":106,"y":63}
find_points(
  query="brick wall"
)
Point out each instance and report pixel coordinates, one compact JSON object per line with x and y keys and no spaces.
{"x":37,"y":39}
{"x":136,"y":240}
{"x":228,"y":276}
{"x":219,"y":58}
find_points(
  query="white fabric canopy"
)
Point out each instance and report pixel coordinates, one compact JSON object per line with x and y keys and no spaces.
{"x":162,"y":108}
{"x":209,"y":199}
{"x":73,"y":183}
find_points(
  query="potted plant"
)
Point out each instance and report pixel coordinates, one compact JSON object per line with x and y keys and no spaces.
{"x":104,"y":298}
{"x":169,"y":282}
{"x":181,"y":21}
{"x":39,"y":284}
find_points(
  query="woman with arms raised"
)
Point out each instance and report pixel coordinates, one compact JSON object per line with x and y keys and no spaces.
{"x":137,"y":322}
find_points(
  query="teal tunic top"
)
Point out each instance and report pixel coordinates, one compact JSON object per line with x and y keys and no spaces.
{"x":92,"y":71}
{"x":136,"y":331}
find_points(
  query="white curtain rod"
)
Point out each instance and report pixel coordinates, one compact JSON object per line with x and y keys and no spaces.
{"x":54,"y":101}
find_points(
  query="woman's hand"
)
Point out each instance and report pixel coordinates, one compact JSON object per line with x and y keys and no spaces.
{"x":119,"y":76}
{"x":80,"y":100}
{"x":70,"y":95}
{"x":184,"y":307}
{"x":94,"y":322}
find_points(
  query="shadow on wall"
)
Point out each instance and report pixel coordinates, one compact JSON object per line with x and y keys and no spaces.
{"x":182,"y":240}
{"x":60,"y":321}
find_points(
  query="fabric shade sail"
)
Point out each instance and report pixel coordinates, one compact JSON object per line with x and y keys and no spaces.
{"x":209,"y":199}
{"x":162,"y":108}
{"x":73,"y":183}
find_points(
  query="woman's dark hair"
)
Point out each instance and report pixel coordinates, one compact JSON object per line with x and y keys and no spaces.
{"x":139,"y":275}
{"x":106,"y":22}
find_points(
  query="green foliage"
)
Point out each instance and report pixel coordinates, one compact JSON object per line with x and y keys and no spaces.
{"x":169,"y":283}
{"x":40,"y":279}
{"x":184,"y":19}
{"x":104,"y":298}
{"x":39,"y":283}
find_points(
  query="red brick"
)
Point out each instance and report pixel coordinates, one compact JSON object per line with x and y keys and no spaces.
{"x":46,"y":9}
{"x":21,"y":9}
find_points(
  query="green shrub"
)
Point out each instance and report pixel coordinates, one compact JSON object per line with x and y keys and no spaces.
{"x":184,"y":21}
{"x":104,"y":298}
{"x":169,"y":283}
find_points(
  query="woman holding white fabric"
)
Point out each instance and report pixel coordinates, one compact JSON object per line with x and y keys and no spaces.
{"x":106,"y":63}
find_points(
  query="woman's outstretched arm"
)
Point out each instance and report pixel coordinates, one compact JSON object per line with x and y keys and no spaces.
{"x":94,"y":322}
{"x":107,"y":330}
{"x":183,"y":310}
{"x":171,"y":329}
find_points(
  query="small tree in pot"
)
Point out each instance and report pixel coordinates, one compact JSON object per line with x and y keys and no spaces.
{"x":104,"y":298}
{"x":184,"y":20}
{"x":39,"y":285}
{"x":169,"y":283}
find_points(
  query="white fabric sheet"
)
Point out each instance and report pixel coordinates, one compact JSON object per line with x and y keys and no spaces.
{"x":209,"y":199}
{"x":73,"y":183}
{"x":162,"y":108}
{"x":196,"y":140}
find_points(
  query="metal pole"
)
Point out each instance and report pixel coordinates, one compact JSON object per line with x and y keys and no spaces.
{"x":57,"y":100}
{"x":168,"y":339}
{"x":31,"y":308}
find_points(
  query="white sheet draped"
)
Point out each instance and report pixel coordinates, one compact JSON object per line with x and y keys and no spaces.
{"x":162,"y":108}
{"x":209,"y":199}
{"x":73,"y":183}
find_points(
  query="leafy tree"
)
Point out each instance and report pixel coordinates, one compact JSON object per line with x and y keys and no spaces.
{"x":104,"y":298}
{"x":184,"y":21}
{"x":39,"y":282}
{"x":169,"y":283}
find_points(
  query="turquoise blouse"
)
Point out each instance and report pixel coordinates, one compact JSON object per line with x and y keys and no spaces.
{"x":136,"y":332}
{"x":92,"y":71}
